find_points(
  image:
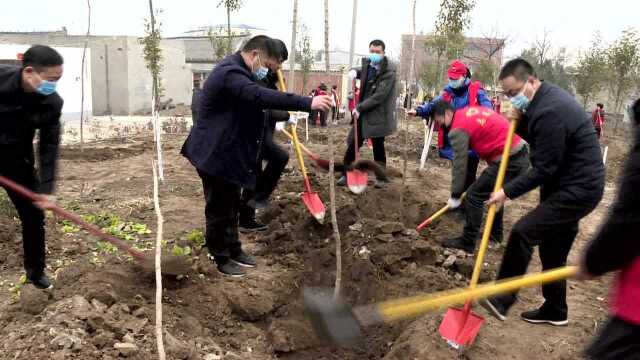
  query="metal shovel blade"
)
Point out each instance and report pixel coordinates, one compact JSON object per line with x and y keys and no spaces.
{"x":314,"y":204}
{"x":332,"y":319}
{"x":357,"y":181}
{"x":460,"y":327}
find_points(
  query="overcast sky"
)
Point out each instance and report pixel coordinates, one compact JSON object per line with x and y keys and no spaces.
{"x":571,"y":23}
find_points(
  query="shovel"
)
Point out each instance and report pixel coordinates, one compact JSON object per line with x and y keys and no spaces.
{"x":322,"y":163}
{"x":335,"y":321}
{"x":428,"y":135}
{"x":356,"y":179}
{"x":436,"y":215}
{"x":310,"y":198}
{"x":461,"y":326}
{"x":172,"y":265}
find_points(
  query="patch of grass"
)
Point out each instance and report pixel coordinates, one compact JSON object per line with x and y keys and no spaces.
{"x":181,"y":251}
{"x":196,"y":237}
{"x":6,"y":206}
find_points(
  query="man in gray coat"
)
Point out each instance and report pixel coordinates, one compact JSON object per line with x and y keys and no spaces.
{"x":375,"y":113}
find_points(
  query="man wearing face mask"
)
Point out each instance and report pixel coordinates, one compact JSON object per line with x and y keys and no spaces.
{"x":567,"y":166}
{"x":225,"y":145}
{"x":375,"y":112}
{"x":29,"y":102}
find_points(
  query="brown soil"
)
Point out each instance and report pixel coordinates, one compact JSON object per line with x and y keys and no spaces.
{"x":103,"y":299}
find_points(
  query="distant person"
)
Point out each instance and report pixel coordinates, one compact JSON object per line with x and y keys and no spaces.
{"x":29,"y":102}
{"x":224,"y":147}
{"x":321,"y":118}
{"x":616,"y":248}
{"x":195,"y":102}
{"x":335,"y":103}
{"x":598,"y":119}
{"x":375,"y":110}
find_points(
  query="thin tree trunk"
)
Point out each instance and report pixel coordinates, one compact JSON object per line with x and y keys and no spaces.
{"x":158,"y":264}
{"x":352,"y":44}
{"x":292,"y":57}
{"x":332,"y":189}
{"x":229,"y":29}
{"x":406,"y":122}
{"x":84,"y":69}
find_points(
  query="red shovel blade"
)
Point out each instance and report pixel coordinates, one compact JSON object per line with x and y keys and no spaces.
{"x":460,"y":327}
{"x":357,"y":181}
{"x":314,"y":204}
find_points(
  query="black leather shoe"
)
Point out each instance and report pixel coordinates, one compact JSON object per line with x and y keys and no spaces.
{"x":459,"y":243}
{"x":243,"y":259}
{"x":229,"y":268}
{"x":495,"y":308}
{"x":539,"y":316}
{"x":251,"y":225}
{"x":41,"y":282}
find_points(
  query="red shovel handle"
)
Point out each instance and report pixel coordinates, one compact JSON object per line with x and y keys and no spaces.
{"x":33,"y":197}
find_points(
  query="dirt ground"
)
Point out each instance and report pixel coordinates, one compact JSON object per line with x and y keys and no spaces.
{"x":102,"y":306}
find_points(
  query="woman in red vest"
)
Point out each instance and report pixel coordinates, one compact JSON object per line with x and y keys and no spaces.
{"x":617,"y":247}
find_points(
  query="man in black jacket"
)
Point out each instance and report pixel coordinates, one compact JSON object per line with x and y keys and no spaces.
{"x":567,"y":166}
{"x":275,"y":157}
{"x":29,"y":102}
{"x":375,"y":111}
{"x":224,"y":146}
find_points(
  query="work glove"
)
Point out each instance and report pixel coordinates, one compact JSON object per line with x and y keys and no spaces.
{"x":453,"y":203}
{"x":293,"y":120}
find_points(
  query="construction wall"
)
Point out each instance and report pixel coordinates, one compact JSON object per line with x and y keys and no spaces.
{"x":70,"y":85}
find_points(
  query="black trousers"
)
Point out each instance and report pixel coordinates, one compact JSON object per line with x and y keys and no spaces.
{"x":267,"y":179}
{"x":379,"y":153}
{"x":552,"y":226}
{"x":618,"y":340}
{"x":22,"y":172}
{"x":221,"y":211}
{"x":481,"y":190}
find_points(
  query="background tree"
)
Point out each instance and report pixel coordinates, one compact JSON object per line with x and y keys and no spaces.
{"x":589,"y":73}
{"x":486,"y":51}
{"x":448,"y":41}
{"x":219,"y":44}
{"x":152,"y":53}
{"x":623,"y":61}
{"x":230,"y":5}
{"x":550,"y":64}
{"x":305,"y":55}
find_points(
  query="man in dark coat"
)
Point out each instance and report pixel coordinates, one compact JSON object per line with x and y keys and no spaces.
{"x":29,"y":102}
{"x":224,"y":146}
{"x":271,"y":153}
{"x":567,"y":166}
{"x":195,"y":102}
{"x":375,"y":112}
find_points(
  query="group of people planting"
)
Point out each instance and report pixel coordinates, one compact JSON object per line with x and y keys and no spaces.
{"x":555,"y":149}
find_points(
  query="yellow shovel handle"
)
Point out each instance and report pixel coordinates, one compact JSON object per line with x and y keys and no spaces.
{"x":502,"y":170}
{"x":304,"y":148}
{"x":294,"y":133}
{"x":439,"y":213}
{"x":418,"y":305}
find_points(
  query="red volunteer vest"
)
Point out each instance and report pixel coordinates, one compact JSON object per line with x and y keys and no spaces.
{"x":487,"y":131}
{"x":626,"y":294}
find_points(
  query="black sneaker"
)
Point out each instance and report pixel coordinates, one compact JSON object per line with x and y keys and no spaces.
{"x":495,"y":308}
{"x":258,"y":204}
{"x":538,"y":316}
{"x":459,"y":243}
{"x":380,"y":183}
{"x":41,"y":282}
{"x":245,"y":260}
{"x":229,"y":268}
{"x":342,"y":181}
{"x":251,"y":225}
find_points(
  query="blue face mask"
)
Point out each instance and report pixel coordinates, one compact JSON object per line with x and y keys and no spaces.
{"x":375,"y":58}
{"x":456,"y":84}
{"x":262,"y":73}
{"x":520,"y":102}
{"x":47,"y":87}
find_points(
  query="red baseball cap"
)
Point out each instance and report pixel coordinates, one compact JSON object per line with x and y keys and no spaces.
{"x":456,"y":70}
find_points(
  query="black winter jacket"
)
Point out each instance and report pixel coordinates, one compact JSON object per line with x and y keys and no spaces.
{"x":565,"y":153}
{"x":21,"y":114}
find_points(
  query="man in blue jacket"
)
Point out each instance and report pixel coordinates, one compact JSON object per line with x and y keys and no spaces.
{"x":224,"y":145}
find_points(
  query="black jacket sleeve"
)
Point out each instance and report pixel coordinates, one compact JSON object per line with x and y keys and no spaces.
{"x":49,"y":147}
{"x":240,"y":86}
{"x":617,"y":243}
{"x":549,"y":135}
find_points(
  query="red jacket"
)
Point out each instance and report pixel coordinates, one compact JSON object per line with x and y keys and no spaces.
{"x":626,"y":294}
{"x":486,"y":130}
{"x":598,"y":118}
